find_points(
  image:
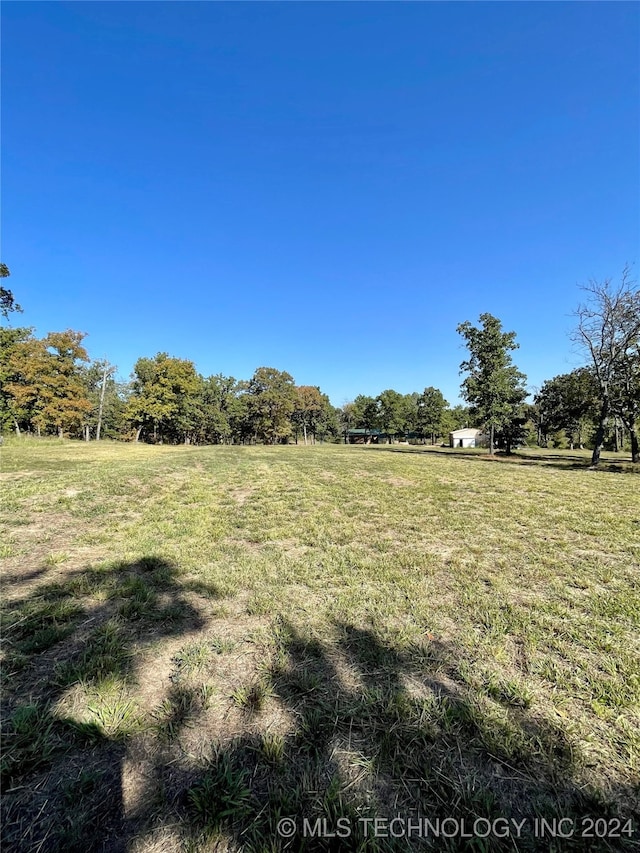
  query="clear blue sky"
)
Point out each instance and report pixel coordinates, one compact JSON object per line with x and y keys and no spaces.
{"x":324,"y":188}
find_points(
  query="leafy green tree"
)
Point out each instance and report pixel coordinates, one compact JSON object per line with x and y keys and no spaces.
{"x":365,"y":413}
{"x":459,"y":417}
{"x":392,"y":414}
{"x":568,"y":403}
{"x":217,"y":407}
{"x":625,"y":396}
{"x":431,"y":411}
{"x":308,"y":409}
{"x":161,"y":404}
{"x":326,"y":426}
{"x":346,"y":419}
{"x":530,"y":435}
{"x":410,"y":412}
{"x":513,"y":432}
{"x":313,"y":413}
{"x":240,"y":416}
{"x":608,"y":330}
{"x":102,"y":393}
{"x":114,"y":421}
{"x":213,"y":422}
{"x":494,"y":387}
{"x":271,"y":400}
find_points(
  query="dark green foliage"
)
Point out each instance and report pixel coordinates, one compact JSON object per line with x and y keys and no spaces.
{"x":568,"y":403}
{"x":271,"y":401}
{"x":431,"y":411}
{"x":494,"y":386}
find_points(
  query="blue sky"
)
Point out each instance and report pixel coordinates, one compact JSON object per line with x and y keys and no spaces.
{"x":324,"y":188}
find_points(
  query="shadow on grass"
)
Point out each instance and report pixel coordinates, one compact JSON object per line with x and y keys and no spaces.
{"x":565,"y":462}
{"x":376,"y":729}
{"x":61,"y":772}
{"x":404,"y":738}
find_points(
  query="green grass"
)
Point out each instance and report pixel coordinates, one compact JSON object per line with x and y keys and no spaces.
{"x":199,"y":642}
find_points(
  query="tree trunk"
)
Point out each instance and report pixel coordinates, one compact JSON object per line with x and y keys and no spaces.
{"x":602,"y":425}
{"x":304,"y":431}
{"x":17,"y":427}
{"x":138,"y":433}
{"x":60,"y":432}
{"x":491,"y":438}
{"x":86,"y":432}
{"x":104,"y":385}
{"x":635,"y":449}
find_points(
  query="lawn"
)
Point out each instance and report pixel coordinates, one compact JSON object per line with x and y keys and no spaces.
{"x":201,"y":642}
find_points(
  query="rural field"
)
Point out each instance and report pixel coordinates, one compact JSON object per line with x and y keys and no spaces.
{"x":201,"y":642}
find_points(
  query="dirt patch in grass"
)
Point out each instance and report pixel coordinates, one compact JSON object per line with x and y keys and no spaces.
{"x":400,"y":482}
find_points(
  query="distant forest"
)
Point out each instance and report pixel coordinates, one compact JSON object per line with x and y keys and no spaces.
{"x":50,"y":386}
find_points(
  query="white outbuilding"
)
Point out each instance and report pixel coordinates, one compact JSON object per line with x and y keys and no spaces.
{"x":467,"y":438}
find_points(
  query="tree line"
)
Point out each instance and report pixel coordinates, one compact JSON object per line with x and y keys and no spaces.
{"x":50,"y":386}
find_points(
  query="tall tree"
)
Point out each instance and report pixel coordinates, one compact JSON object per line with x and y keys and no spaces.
{"x":101,"y":391}
{"x":391,"y":412}
{"x":28,"y":368}
{"x":346,"y":418}
{"x":308,"y":408}
{"x":48,"y":383}
{"x":365,"y":413}
{"x":325,"y":424}
{"x":271,"y":400}
{"x":494,"y":387}
{"x":625,"y":396}
{"x":608,"y":330}
{"x":15,"y":410}
{"x":431,"y":409}
{"x":66,"y":402}
{"x":567,"y":403}
{"x":107,"y":371}
{"x":163,"y":393}
{"x":218,"y":403}
{"x":410,"y":412}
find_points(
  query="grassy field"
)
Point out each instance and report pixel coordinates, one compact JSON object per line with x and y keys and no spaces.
{"x":200,"y":642}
